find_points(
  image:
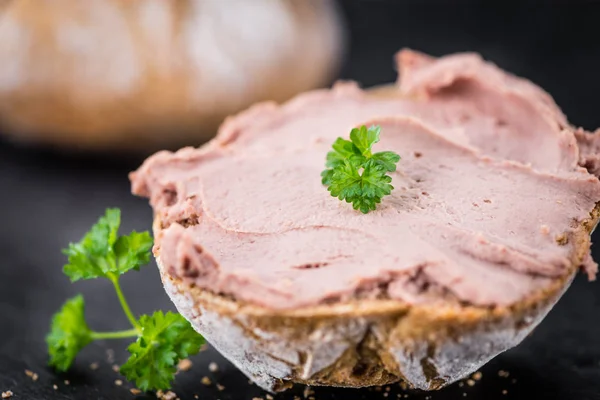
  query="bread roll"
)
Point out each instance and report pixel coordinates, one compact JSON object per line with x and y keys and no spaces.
{"x":144,"y":75}
{"x":481,"y":236}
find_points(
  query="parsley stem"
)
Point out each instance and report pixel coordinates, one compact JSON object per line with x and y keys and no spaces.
{"x":114,"y":335}
{"x":115,"y":281}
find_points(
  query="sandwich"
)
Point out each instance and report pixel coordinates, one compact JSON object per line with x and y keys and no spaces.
{"x":493,"y":203}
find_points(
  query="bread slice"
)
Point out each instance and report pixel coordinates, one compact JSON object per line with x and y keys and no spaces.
{"x":367,"y":342}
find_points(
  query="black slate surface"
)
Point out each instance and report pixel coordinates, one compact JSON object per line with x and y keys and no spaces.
{"x":48,"y":199}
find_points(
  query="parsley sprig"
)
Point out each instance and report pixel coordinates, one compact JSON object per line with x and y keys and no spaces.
{"x":162,"y":339}
{"x":357,"y":175}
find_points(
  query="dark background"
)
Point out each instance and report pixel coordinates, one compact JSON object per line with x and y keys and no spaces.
{"x":48,"y":199}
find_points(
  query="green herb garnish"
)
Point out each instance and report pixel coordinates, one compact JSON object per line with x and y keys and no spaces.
{"x":357,"y":175}
{"x":162,"y":339}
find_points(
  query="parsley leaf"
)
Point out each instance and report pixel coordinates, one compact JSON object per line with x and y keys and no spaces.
{"x":132,"y":251}
{"x":69,"y":333}
{"x":165,"y":339}
{"x":356,"y":175}
{"x":162,"y":339}
{"x":101,"y":252}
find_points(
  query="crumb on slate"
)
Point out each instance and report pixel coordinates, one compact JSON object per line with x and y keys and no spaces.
{"x":110,"y":356}
{"x":7,"y":395}
{"x":67,"y":382}
{"x":116,"y":368}
{"x":378,"y":388}
{"x":503,"y":374}
{"x":477,"y":376}
{"x":505,"y":392}
{"x":166,"y":395}
{"x":196,"y":396}
{"x":94,"y":366}
{"x":403,"y":385}
{"x":386,"y":394}
{"x":470,"y":382}
{"x":461,"y":384}
{"x":269,"y":397}
{"x":135,"y":391}
{"x":464,"y":395}
{"x":296,"y":397}
{"x":220,"y":387}
{"x":213,"y":367}
{"x":308,"y":392}
{"x":54,"y":387}
{"x":203,"y":347}
{"x":206,"y":381}
{"x":184,"y":365}
{"x":34,"y":377}
{"x":118,"y":382}
{"x":257,"y":398}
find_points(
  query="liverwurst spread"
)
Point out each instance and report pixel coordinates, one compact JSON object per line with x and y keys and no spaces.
{"x":492,"y":183}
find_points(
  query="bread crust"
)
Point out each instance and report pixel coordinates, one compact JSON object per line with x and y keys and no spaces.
{"x":366,"y":342}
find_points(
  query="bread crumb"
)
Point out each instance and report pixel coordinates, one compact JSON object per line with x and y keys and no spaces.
{"x":378,"y":388}
{"x":206,"y":381}
{"x":308,"y":392}
{"x":7,"y":395}
{"x":464,"y":395}
{"x":470,"y":382}
{"x":403,"y":385}
{"x":213,"y":367}
{"x":296,"y":397}
{"x":406,"y":396}
{"x":461,"y":384}
{"x":54,"y":387}
{"x":477,"y":376}
{"x":257,"y":398}
{"x":503,"y":374}
{"x":67,"y":382}
{"x":34,"y":377}
{"x":184,"y":365}
{"x":269,"y":397}
{"x":116,"y":368}
{"x":135,"y":391}
{"x":505,"y":392}
{"x":94,"y":366}
{"x":250,"y":382}
{"x":118,"y":382}
{"x":204,"y":347}
{"x":387,"y":388}
{"x":196,"y":396}
{"x":311,"y":397}
{"x":166,"y":396}
{"x":220,"y":387}
{"x":110,"y":356}
{"x":386,"y":394}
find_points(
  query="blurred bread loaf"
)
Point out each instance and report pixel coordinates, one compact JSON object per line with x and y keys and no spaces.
{"x":148,"y":74}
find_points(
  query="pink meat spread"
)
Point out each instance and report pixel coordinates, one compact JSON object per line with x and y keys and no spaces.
{"x":492,"y":183}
